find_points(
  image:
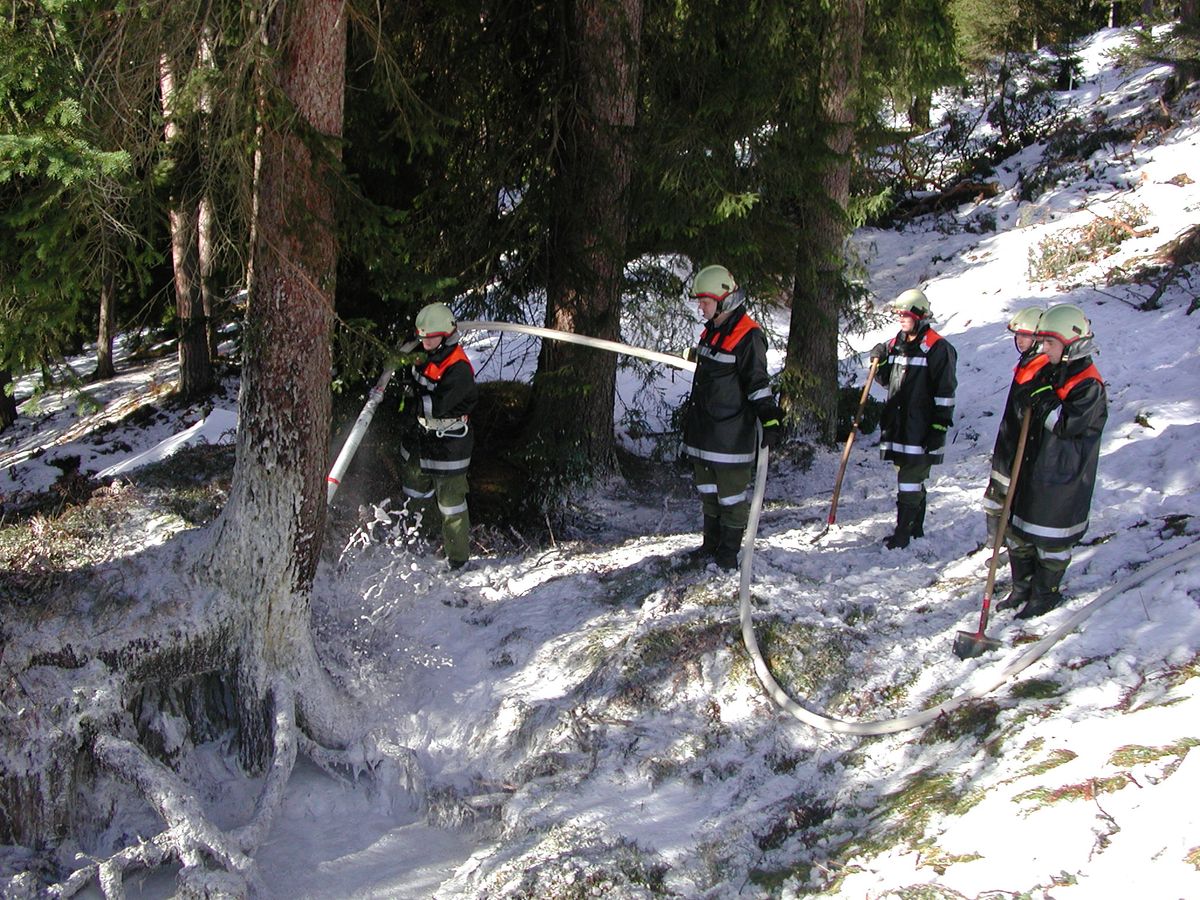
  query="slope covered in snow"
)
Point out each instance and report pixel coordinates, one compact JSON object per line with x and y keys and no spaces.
{"x":589,"y":722}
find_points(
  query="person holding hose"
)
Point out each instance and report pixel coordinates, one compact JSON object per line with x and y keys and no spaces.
{"x":436,"y":460}
{"x":730,"y":394}
{"x":1053,"y":496}
{"x":918,"y":368}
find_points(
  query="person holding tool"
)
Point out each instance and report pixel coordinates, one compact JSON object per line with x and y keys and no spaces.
{"x":435,"y":465}
{"x":730,"y":394}
{"x":917,"y":367}
{"x":1030,"y":359}
{"x":1051,"y":504}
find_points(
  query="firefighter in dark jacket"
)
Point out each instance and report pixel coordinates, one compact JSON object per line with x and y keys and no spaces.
{"x":1030,"y":359}
{"x":437,"y":459}
{"x":1053,"y":495}
{"x":918,"y":368}
{"x":731,"y":394}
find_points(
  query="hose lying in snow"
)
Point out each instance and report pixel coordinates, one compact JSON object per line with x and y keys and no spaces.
{"x":814,"y":718}
{"x":825,"y":722}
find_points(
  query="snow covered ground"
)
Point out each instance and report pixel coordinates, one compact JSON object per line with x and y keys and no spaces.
{"x":589,"y":722}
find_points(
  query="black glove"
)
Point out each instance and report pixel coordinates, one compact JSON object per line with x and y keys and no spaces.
{"x":1034,"y":395}
{"x":935,"y":440}
{"x":772,"y":434}
{"x":880,"y":351}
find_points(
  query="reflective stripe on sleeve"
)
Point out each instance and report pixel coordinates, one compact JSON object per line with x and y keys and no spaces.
{"x":910,"y":449}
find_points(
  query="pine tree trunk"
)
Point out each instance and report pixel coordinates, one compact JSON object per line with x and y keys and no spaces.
{"x":206,"y":225}
{"x":204,"y":239}
{"x":575,"y":387}
{"x":1188,"y":15}
{"x":268,"y":537}
{"x":8,"y":403}
{"x":811,"y":376}
{"x":195,"y":367}
{"x":104,"y":335}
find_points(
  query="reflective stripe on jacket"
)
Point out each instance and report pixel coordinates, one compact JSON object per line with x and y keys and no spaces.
{"x":1053,"y":496}
{"x":921,"y":380}
{"x":1005,"y":448}
{"x":729,"y":387}
{"x":446,"y":391}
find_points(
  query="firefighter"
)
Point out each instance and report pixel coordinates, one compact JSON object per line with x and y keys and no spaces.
{"x":1030,"y":359}
{"x":436,"y":461}
{"x":1053,"y":496}
{"x":730,"y":395}
{"x":917,"y":367}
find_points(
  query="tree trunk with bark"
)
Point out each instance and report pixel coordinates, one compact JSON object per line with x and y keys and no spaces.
{"x":195,"y":364}
{"x":238,"y":614}
{"x":575,"y":387}
{"x":204,"y":236}
{"x":107,"y":329}
{"x":811,"y":368}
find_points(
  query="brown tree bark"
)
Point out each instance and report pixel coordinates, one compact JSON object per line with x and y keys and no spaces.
{"x":575,"y":387}
{"x":240,"y":616}
{"x":105,"y":333}
{"x":269,"y":535}
{"x":204,"y":238}
{"x":811,"y":367}
{"x":195,"y":364}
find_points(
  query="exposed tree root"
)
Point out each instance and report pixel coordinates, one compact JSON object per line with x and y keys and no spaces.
{"x":216,"y":862}
{"x":283,"y":760}
{"x":190,"y":835}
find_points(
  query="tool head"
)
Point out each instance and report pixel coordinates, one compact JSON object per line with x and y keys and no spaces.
{"x":969,"y":644}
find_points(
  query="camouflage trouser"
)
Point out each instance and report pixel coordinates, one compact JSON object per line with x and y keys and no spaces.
{"x":724,"y":492}
{"x":450,"y":492}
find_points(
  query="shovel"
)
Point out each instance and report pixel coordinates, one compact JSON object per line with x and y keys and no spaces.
{"x":837,"y":485}
{"x":968,"y":644}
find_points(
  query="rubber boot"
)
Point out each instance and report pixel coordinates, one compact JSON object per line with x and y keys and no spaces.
{"x":918,"y":528}
{"x":906,"y":517}
{"x":1045,"y":594}
{"x":712,"y":539}
{"x":1022,"y":568}
{"x":727,"y":550}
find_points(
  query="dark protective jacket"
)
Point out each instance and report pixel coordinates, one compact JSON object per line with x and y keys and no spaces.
{"x":921,"y":381}
{"x":1053,"y":495}
{"x":446,"y":394}
{"x":730,"y":390}
{"x":1005,"y":449}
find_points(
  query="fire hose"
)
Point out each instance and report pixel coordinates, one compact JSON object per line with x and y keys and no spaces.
{"x":812,"y":717}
